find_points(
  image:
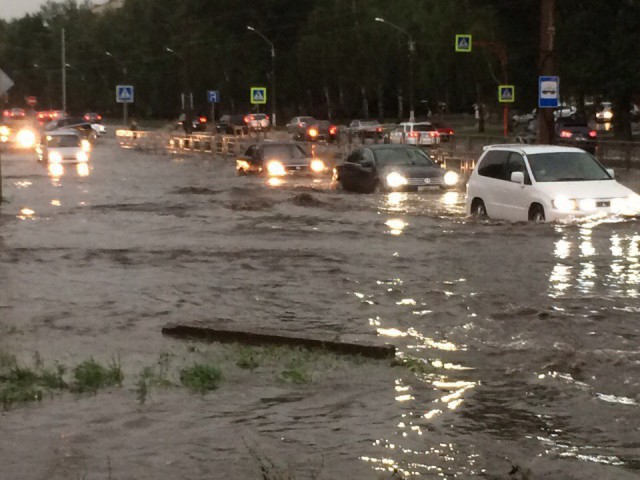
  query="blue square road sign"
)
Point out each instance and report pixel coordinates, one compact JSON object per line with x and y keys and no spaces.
{"x":213,"y":96}
{"x":548,"y":92}
{"x":124,"y":93}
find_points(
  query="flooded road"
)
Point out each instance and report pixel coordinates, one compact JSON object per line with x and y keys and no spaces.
{"x":531,"y":332}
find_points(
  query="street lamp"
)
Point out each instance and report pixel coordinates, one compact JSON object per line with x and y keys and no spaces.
{"x":124,"y":72}
{"x":273,"y":72}
{"x":185,"y":83}
{"x":412,"y":47}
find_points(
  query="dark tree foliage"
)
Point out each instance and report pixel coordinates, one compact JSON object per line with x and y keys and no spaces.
{"x":332,"y":58}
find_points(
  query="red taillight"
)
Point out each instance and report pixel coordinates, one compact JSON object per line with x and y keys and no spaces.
{"x":379,"y":129}
{"x":203,"y":119}
{"x":5,"y":113}
{"x":592,"y":133}
{"x":246,"y":119}
{"x":86,"y":117}
{"x":99,"y":117}
{"x":434,"y":134}
{"x":267,"y":117}
{"x":565,"y":134}
{"x":414,"y":134}
{"x":332,"y":130}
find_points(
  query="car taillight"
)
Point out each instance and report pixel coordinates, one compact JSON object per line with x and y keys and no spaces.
{"x":565,"y":134}
{"x":86,"y":117}
{"x":414,"y":134}
{"x":246,"y":119}
{"x":592,"y":133}
{"x":99,"y":117}
{"x":379,"y":129}
{"x":332,"y":130}
{"x":203,"y":119}
{"x":434,"y":134}
{"x":266,"y":117}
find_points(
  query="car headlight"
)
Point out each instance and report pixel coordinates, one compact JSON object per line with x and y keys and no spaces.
{"x":394,"y":180}
{"x":450,"y":178}
{"x":275,"y":168}
{"x":608,"y":115}
{"x":55,"y":157}
{"x":318,"y":166}
{"x":587,"y":204}
{"x":82,"y":156}
{"x":4,"y":131}
{"x":26,"y":138}
{"x":313,"y":133}
{"x":86,"y":145}
{"x":564,"y":204}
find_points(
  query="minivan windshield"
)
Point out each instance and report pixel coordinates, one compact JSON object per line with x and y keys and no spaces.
{"x":566,"y":167}
{"x":63,"y":141}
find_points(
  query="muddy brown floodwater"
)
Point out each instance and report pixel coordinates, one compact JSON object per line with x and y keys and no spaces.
{"x":532,"y":332}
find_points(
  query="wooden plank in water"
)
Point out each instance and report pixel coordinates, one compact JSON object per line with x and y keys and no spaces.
{"x":260,"y":337}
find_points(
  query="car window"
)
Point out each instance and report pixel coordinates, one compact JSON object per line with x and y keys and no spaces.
{"x":367,"y":156}
{"x":493,"y":163}
{"x":283,"y":152}
{"x":423,"y":128}
{"x":566,"y":167}
{"x":63,"y":141}
{"x":403,"y":156}
{"x":515,"y":163}
{"x":355,"y":157}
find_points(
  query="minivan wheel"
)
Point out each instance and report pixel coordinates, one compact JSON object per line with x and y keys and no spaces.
{"x":478,"y":209}
{"x":536,"y":214}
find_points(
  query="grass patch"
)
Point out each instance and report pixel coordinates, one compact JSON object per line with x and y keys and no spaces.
{"x":201,"y":377}
{"x":23,"y":384}
{"x":413,"y":364}
{"x":90,"y":376}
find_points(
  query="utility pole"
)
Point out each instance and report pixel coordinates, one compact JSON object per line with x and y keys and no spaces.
{"x":547,"y":32}
{"x":64,"y":73}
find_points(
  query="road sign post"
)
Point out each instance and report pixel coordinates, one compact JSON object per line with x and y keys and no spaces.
{"x":125,"y":96}
{"x":506,"y":95}
{"x":258,"y":95}
{"x":213,"y":97}
{"x":5,"y":84}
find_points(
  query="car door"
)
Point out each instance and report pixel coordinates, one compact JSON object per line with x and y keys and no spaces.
{"x":351,"y":173}
{"x":490,"y":181}
{"x":515,"y":198}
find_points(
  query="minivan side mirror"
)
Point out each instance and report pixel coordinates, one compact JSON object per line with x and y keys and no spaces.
{"x":611,"y":172}
{"x":517,"y":177}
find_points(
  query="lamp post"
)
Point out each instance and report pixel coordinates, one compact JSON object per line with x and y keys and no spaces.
{"x":273,"y":72}
{"x":412,"y":47}
{"x":184,"y":83}
{"x":124,"y":73}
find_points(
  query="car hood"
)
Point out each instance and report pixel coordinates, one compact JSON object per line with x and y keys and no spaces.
{"x":413,"y":171}
{"x":587,"y":189}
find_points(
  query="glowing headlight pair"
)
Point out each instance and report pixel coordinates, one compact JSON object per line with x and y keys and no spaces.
{"x":55,"y":157}
{"x":565,"y":204}
{"x":275,"y":168}
{"x":26,"y":138}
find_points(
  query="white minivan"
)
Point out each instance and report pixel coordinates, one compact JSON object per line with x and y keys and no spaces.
{"x":544,"y":182}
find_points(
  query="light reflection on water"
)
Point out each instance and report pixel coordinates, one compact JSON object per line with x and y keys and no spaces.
{"x":577,"y":268}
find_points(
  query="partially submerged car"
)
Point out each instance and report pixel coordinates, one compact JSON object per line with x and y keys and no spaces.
{"x":544,"y":183}
{"x":63,"y":146}
{"x":382,"y":168}
{"x":279,"y":159}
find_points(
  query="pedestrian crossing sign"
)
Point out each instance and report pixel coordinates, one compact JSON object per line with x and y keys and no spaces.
{"x":506,"y":93}
{"x":124,"y":93}
{"x":258,"y":95}
{"x":463,"y":43}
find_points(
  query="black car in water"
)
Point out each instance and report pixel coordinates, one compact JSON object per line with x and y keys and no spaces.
{"x":317,"y":131}
{"x":232,"y":125}
{"x":381,"y":168}
{"x":83,"y":127}
{"x":576,"y":132}
{"x":279,"y":159}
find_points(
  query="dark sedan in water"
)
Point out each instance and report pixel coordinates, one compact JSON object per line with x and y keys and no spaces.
{"x":392,"y":168}
{"x":279,"y":159}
